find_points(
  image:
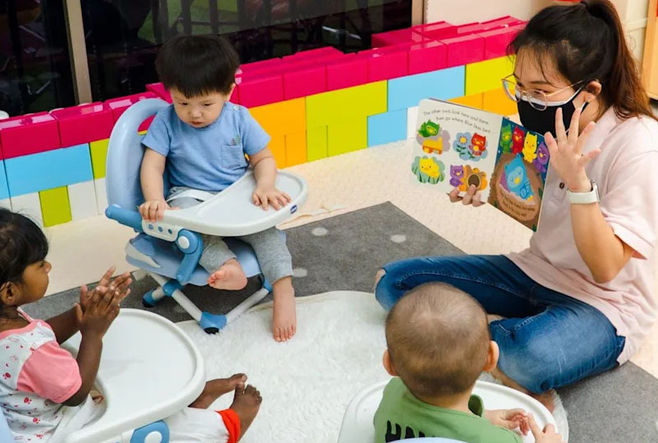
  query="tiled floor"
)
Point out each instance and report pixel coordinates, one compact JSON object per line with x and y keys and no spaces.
{"x":80,"y":252}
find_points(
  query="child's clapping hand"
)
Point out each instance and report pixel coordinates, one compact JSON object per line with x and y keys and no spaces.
{"x":509,"y":419}
{"x":102,"y":308}
{"x":270,"y":196}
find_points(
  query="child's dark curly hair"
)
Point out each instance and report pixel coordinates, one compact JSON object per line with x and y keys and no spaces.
{"x":22,"y":243}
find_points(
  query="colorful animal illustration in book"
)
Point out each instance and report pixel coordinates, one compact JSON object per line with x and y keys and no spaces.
{"x":517,"y":179}
{"x":456,"y":176}
{"x":462,"y":177}
{"x":469,"y":147}
{"x":428,"y":170}
{"x":506,"y":138}
{"x":541,"y":161}
{"x":478,"y":147}
{"x":530,"y":147}
{"x":517,"y":140}
{"x":429,"y":129}
{"x":432,"y":138}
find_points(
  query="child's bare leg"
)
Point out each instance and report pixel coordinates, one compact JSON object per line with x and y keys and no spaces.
{"x":218,"y":387}
{"x":229,"y":276}
{"x":545,"y":398}
{"x":246,"y":404}
{"x":284,"y":316}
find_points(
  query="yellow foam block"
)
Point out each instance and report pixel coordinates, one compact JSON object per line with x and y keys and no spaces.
{"x":98,"y":151}
{"x":487,"y":75}
{"x":347,"y":136}
{"x":343,"y":104}
{"x":296,"y":148}
{"x":497,"y":101}
{"x":55,"y":206}
{"x":474,"y":101}
{"x":282,"y":118}
{"x":278,"y":147}
{"x":316,"y":143}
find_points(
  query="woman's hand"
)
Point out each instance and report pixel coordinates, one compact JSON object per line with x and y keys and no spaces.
{"x":264,"y":196}
{"x":567,"y":156}
{"x":472,"y":196}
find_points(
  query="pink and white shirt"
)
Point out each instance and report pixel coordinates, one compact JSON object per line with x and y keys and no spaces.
{"x":36,"y":376}
{"x":625,"y":173}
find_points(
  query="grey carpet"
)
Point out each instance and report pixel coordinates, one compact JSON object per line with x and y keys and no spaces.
{"x":620,"y":406}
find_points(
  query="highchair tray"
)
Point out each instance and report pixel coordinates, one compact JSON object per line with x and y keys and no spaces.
{"x":358,"y":419}
{"x":232,"y":213}
{"x":149,"y":370}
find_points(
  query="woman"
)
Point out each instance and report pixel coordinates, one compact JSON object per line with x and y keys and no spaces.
{"x":579,"y":301}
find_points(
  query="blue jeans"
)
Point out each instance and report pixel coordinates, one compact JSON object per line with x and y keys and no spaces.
{"x":548,"y":340}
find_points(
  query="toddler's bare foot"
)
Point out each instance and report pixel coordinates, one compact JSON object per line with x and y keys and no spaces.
{"x":229,"y":276}
{"x":218,"y":387}
{"x":545,"y":398}
{"x":246,"y":404}
{"x":284,"y":315}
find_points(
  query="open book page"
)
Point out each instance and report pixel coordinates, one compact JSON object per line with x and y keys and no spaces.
{"x":455,"y":147}
{"x":517,"y":184}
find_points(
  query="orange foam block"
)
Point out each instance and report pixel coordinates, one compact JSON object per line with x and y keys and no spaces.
{"x":497,"y":101}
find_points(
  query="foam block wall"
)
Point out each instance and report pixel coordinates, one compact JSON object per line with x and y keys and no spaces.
{"x":314,"y":104}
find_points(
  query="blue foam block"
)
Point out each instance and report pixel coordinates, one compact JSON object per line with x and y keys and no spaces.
{"x":4,"y":189}
{"x":406,"y":92}
{"x":387,"y":127}
{"x":48,"y":170}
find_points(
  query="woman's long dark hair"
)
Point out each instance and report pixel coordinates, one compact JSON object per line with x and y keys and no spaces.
{"x":22,"y":243}
{"x":587,"y":42}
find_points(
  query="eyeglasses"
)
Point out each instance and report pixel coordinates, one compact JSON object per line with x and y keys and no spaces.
{"x":537,"y":99}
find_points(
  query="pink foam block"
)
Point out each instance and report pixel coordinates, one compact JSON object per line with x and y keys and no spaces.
{"x":427,"y":57}
{"x":83,"y":123}
{"x":119,"y":105}
{"x":304,"y":80}
{"x":235,"y":95}
{"x":501,"y":21}
{"x":464,"y":49}
{"x":352,"y":71}
{"x":392,"y":38}
{"x":497,"y":40}
{"x":385,"y":64}
{"x":260,"y":90}
{"x":469,"y":28}
{"x":436,"y":31}
{"x":261,"y":66}
{"x":159,"y":90}
{"x":29,"y":134}
{"x":328,"y":53}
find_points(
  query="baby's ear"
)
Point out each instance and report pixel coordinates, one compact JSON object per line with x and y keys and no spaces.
{"x":8,"y":294}
{"x":492,"y":357}
{"x":388,"y":364}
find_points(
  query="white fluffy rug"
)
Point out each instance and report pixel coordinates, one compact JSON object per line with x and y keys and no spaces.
{"x":306,"y":383}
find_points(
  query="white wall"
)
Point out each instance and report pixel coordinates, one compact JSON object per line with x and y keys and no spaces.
{"x":632,"y":12}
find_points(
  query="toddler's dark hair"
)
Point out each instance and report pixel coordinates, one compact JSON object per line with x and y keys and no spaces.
{"x":22,"y":243}
{"x":587,"y":42}
{"x":197,"y":64}
{"x":438,"y":340}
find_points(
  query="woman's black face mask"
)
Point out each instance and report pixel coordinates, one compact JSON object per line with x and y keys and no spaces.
{"x":544,"y":121}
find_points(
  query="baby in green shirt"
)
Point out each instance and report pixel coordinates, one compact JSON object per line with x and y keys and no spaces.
{"x":438,"y":345}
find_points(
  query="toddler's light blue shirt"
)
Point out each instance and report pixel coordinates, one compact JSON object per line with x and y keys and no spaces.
{"x":210,"y":158}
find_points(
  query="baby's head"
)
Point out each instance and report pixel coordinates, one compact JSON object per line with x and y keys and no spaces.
{"x":23,"y":266}
{"x":199,"y":72}
{"x":438,"y":342}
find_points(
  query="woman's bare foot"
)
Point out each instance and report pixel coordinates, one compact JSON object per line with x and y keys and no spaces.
{"x":218,"y":387}
{"x":229,"y":276}
{"x":545,"y":398}
{"x":246,"y":404}
{"x":284,"y":315}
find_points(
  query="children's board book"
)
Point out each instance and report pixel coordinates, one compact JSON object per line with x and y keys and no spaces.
{"x":457,"y":146}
